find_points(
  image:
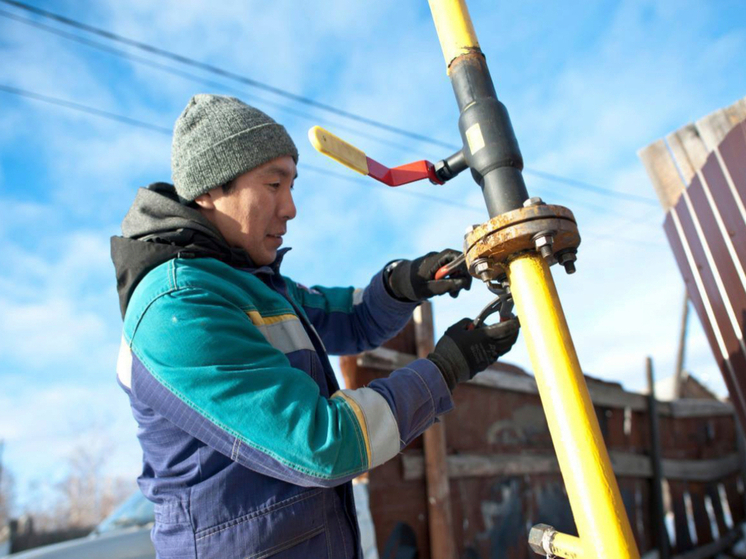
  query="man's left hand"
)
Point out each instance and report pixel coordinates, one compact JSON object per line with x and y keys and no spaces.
{"x":414,"y":280}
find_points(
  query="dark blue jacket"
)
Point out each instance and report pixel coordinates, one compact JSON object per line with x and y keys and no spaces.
{"x":248,"y":443}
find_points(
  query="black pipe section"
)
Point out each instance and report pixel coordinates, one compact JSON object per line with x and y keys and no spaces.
{"x":451,"y":166}
{"x":490,"y":146}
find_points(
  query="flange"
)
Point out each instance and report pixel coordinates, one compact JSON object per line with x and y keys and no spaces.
{"x":550,"y":229}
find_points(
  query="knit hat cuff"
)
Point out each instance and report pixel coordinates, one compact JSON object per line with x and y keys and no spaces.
{"x":233,"y":156}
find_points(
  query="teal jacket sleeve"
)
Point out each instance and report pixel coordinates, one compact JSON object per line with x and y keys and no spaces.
{"x":352,"y":320}
{"x":200,"y":361}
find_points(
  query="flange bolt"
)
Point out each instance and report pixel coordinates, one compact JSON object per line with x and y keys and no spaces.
{"x":543,"y":243}
{"x":483,"y":269}
{"x":567,"y":260}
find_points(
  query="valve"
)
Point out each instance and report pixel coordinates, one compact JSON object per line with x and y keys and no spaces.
{"x":348,"y":155}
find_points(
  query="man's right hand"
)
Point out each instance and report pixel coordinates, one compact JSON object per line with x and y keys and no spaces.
{"x":464,"y":351}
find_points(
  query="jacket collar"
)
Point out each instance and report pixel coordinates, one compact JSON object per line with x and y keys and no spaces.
{"x":269,"y":269}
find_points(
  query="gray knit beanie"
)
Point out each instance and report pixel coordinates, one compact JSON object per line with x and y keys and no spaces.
{"x":218,"y":138}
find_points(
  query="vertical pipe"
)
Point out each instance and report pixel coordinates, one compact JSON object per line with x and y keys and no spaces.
{"x":440,"y":516}
{"x":658,"y":512}
{"x":492,"y":153}
{"x":490,"y":146}
{"x":594,"y":495}
{"x":455,"y":30}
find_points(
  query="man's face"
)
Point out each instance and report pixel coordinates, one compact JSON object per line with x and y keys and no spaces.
{"x":254,"y":214}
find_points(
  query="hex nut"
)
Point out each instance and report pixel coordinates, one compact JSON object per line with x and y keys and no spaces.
{"x":481,"y":266}
{"x":484,"y":269}
{"x":534,"y":201}
{"x":536,"y":538}
{"x":543,"y":240}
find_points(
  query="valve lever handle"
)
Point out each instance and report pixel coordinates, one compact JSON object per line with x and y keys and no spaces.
{"x":348,"y":155}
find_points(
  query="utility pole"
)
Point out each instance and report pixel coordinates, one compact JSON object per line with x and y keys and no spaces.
{"x":679,"y":372}
{"x":2,"y":447}
{"x":658,"y":510}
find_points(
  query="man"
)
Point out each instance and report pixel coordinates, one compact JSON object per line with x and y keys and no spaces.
{"x":249,"y":445}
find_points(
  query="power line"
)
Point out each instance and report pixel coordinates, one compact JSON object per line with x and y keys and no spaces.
{"x":84,"y":109}
{"x":573,"y":183}
{"x":223,"y":72}
{"x":167,"y":131}
{"x":590,"y":187}
{"x":186,"y":75}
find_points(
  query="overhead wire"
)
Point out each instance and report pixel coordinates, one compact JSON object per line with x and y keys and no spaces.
{"x":168,"y":132}
{"x":223,"y":72}
{"x":573,"y":183}
{"x":84,"y":109}
{"x":188,"y":76}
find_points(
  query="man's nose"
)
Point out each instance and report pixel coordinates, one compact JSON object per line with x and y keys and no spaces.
{"x":287,"y":208}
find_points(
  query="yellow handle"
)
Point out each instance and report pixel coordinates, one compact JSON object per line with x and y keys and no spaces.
{"x":330,"y":145}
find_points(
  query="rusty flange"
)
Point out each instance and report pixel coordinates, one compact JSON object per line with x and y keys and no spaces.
{"x":517,"y":231}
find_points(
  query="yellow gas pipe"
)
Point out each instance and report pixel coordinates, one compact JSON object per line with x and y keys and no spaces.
{"x":603,"y":526}
{"x":595,"y":500}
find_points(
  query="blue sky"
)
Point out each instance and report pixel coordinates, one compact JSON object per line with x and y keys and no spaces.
{"x":587,"y":84}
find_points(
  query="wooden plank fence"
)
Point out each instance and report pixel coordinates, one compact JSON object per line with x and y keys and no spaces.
{"x":699,"y":174}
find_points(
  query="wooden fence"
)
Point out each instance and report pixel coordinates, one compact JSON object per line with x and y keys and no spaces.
{"x":501,"y":475}
{"x":699,"y":174}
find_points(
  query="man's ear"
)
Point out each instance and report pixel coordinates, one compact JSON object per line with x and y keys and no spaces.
{"x":205,"y":201}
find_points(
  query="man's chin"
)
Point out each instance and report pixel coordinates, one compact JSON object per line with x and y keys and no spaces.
{"x":265,"y":258}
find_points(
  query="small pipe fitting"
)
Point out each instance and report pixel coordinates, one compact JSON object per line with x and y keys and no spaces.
{"x":545,"y":540}
{"x":540,"y":539}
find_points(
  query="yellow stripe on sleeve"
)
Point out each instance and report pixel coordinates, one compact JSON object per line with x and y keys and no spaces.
{"x":360,"y":416}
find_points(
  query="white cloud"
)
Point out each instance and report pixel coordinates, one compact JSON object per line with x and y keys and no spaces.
{"x":58,"y":306}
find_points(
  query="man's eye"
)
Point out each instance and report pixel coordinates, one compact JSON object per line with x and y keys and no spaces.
{"x":274,"y":184}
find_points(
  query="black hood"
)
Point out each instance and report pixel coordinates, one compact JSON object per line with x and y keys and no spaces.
{"x":158,"y":227}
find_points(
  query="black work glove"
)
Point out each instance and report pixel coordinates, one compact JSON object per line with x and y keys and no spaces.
{"x":463,"y":351}
{"x":412,"y":280}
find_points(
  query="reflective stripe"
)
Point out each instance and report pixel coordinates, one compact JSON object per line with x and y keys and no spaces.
{"x":124,"y":364}
{"x":357,"y":296}
{"x":377,"y":422}
{"x":284,"y":332}
{"x":360,"y":416}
